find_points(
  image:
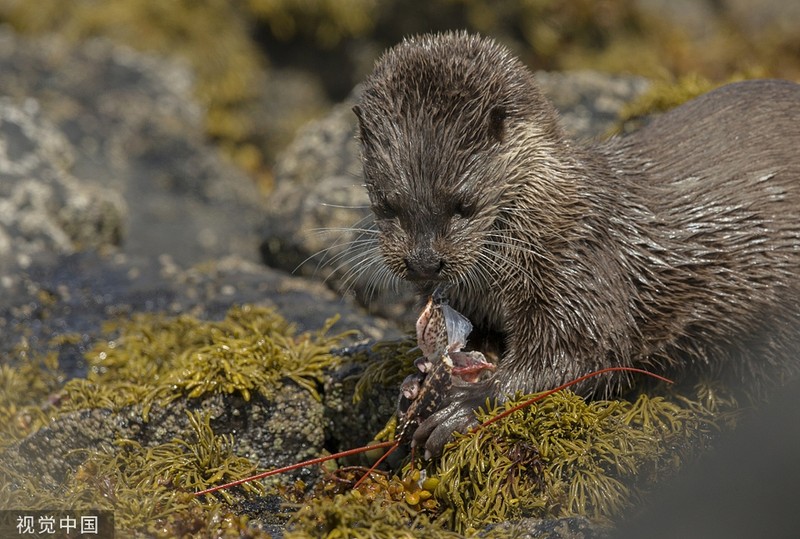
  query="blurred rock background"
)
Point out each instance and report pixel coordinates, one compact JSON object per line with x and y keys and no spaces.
{"x":262,"y":68}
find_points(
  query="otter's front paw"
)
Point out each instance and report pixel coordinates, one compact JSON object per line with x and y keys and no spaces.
{"x":457,"y":415}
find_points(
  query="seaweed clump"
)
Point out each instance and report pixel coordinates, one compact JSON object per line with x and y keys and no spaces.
{"x":564,"y":456}
{"x":20,"y":411}
{"x":386,"y":364}
{"x":149,"y":481}
{"x":154,"y":359}
{"x":561,"y":458}
{"x":147,"y":488}
{"x":351,"y":514}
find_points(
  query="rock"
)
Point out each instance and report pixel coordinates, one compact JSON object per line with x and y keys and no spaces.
{"x":135,"y":129}
{"x":102,"y":148}
{"x":43,"y":208}
{"x":589,"y":102}
{"x":272,"y":433}
{"x":560,"y":528}
{"x":319,"y":218}
{"x":113,"y":204}
{"x":76,"y":294}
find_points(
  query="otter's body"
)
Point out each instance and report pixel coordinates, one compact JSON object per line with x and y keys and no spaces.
{"x":675,"y":248}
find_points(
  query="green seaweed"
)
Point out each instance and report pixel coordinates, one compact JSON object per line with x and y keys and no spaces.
{"x":560,"y":457}
{"x":564,"y":456}
{"x":660,"y":97}
{"x":153,"y":359}
{"x":145,"y":486}
{"x":20,"y":411}
{"x":252,"y":349}
{"x":386,"y":364}
{"x":352,"y":514}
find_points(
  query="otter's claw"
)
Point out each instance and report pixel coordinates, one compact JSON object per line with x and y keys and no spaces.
{"x":458,"y":415}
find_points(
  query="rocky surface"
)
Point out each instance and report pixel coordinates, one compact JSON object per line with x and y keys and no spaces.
{"x":43,"y":207}
{"x":127,"y":123}
{"x":102,"y":150}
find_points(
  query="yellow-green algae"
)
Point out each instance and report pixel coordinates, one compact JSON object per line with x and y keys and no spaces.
{"x":353,"y":515}
{"x":20,"y":411}
{"x":252,"y":349}
{"x":564,"y":456}
{"x":623,"y":36}
{"x":559,"y":457}
{"x":147,"y":488}
{"x":150,"y":359}
{"x":388,"y":365}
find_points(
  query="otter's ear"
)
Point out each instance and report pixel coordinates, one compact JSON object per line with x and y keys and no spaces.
{"x":362,"y":131}
{"x":497,"y":123}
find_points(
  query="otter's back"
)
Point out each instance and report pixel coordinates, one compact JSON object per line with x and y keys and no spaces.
{"x":721,"y":175}
{"x":741,"y":140}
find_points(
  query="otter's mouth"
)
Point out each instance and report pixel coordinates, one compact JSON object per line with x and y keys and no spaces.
{"x":424,"y":269}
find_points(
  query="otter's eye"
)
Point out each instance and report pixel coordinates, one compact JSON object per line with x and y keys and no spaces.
{"x":497,"y":123}
{"x":464,"y":209}
{"x":384,"y":210}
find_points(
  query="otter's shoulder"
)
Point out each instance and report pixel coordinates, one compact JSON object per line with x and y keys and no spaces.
{"x":758,"y":90}
{"x":735,"y":120}
{"x":765,"y":105}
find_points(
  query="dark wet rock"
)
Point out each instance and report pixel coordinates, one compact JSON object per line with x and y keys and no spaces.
{"x":354,"y":421}
{"x":559,"y":528}
{"x":319,"y":208}
{"x":78,"y":293}
{"x":272,"y":433}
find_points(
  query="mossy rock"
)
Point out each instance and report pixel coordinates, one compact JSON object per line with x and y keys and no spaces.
{"x":170,"y":406}
{"x":175,"y":405}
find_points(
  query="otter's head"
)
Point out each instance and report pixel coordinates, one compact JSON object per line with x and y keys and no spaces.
{"x":440,"y":119}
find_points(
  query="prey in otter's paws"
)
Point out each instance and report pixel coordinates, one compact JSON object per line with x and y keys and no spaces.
{"x":441,"y":334}
{"x":676,"y":248}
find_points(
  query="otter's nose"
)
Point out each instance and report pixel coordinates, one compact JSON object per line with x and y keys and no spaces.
{"x":424,"y":265}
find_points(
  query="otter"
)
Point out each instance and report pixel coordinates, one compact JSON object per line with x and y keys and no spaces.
{"x":675,"y":248}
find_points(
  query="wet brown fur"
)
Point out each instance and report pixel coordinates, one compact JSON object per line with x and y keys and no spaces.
{"x":675,"y":248}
